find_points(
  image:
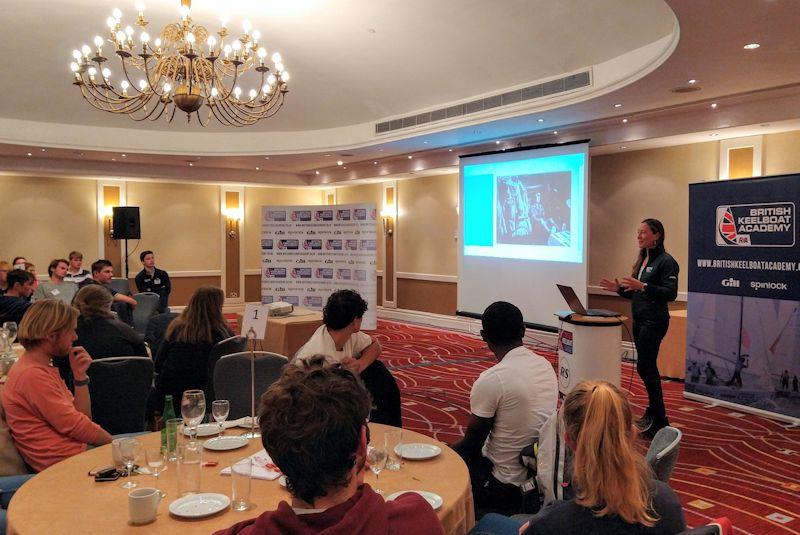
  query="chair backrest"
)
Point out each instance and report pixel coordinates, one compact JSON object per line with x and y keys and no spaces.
{"x":119,"y":389}
{"x":663,"y":452}
{"x":120,"y":285}
{"x":234,"y":344}
{"x":718,"y":526}
{"x":157,"y":328}
{"x":147,"y":304}
{"x":232,"y":379}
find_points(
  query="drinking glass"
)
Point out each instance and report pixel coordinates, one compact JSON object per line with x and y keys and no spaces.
{"x":11,"y":327}
{"x":193,"y":410}
{"x":220,"y":409}
{"x":376,"y":456}
{"x":129,"y":449}
{"x":394,"y":443}
{"x":241,"y":473}
{"x":156,"y":460}
{"x":172,"y":437}
{"x":5,"y":344}
{"x":190,"y":458}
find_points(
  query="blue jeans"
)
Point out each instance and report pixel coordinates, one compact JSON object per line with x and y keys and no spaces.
{"x":494,"y":524}
{"x":8,"y":486}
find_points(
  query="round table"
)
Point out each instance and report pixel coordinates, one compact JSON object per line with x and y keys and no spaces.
{"x":64,"y":499}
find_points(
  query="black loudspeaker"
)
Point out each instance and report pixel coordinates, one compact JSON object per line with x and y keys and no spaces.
{"x":126,"y":223}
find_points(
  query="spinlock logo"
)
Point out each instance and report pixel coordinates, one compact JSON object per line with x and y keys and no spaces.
{"x":730,"y":283}
{"x":769,"y":286}
{"x":756,"y":225}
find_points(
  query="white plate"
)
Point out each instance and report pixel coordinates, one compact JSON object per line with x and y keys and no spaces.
{"x":199,"y":505}
{"x":225,"y":443}
{"x":434,"y":499}
{"x":245,"y":422}
{"x":204,"y":430}
{"x":417,"y":451}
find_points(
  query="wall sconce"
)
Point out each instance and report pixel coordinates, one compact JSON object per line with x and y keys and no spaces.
{"x":108,"y":219}
{"x":232,"y":218}
{"x":387,"y":215}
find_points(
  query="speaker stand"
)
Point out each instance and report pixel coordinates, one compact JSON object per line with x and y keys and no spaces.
{"x":126,"y":258}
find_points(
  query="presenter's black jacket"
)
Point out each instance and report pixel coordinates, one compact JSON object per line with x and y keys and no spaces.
{"x":158,"y":283}
{"x":661,"y":277}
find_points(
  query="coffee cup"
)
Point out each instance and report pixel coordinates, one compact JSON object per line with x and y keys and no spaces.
{"x":143,"y":505}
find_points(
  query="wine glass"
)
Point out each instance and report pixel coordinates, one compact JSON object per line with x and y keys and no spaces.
{"x":11,"y":327}
{"x":376,"y":456}
{"x":156,"y":462}
{"x":220,"y":409}
{"x":129,"y":450}
{"x":193,"y":410}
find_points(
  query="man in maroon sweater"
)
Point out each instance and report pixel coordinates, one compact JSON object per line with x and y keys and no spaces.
{"x":313,"y":425}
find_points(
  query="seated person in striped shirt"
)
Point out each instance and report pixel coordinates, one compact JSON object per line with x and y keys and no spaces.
{"x":47,"y":423}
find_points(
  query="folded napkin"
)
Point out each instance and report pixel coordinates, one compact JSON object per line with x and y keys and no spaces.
{"x":263,"y":467}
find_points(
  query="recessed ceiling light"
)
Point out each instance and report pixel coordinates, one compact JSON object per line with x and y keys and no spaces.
{"x":380,"y":150}
{"x":624,"y":147}
{"x":449,"y":150}
{"x":124,"y":155}
{"x":617,"y":105}
{"x":625,"y":120}
{"x":327,"y":155}
{"x":540,"y":120}
{"x":374,"y":163}
{"x":424,"y":142}
{"x":751,"y":46}
{"x":266,"y":157}
{"x":191,"y":164}
{"x":44,"y":150}
{"x":339,"y":162}
{"x":714,"y":134}
{"x":410,"y":157}
{"x":692,"y":81}
{"x":113,"y":159}
{"x":555,"y":132}
{"x":345,"y":167}
{"x":29,"y":154}
{"x":714,"y":105}
{"x":258,"y":169}
{"x":496,"y":142}
{"x":317,"y":172}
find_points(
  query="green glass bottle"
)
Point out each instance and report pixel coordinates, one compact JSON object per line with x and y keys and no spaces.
{"x":167,"y":415}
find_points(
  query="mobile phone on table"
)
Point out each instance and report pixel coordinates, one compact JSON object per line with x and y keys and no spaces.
{"x":107,"y":474}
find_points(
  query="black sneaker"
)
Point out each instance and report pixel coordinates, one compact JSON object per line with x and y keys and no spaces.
{"x":645,"y":422}
{"x":655,"y":427}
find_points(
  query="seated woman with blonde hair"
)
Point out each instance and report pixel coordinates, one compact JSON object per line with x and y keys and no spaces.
{"x":615,"y":489}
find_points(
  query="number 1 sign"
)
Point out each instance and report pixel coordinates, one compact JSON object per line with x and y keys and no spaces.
{"x":255,"y":318}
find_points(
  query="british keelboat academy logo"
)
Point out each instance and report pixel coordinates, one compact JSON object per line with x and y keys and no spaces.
{"x":756,"y":225}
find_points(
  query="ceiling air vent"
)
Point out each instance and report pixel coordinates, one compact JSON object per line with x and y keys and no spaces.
{"x":552,"y":87}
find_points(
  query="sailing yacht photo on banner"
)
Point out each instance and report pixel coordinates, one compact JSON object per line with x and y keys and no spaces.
{"x":743,"y":328}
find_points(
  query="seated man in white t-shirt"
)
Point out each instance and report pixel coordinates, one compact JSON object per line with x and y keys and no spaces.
{"x":509,"y":403}
{"x":341,"y":340}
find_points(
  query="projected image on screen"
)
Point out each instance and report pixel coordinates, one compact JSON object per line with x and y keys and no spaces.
{"x":533,"y":209}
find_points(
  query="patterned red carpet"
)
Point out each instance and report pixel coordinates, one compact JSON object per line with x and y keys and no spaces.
{"x":731,"y":464}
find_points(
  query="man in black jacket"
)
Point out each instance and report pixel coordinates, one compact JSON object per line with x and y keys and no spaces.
{"x":152,"y":279}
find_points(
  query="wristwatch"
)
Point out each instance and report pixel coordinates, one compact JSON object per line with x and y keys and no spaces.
{"x":84,"y":382}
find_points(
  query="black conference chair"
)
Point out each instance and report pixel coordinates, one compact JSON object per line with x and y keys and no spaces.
{"x":234,"y":344}
{"x":663,"y":452}
{"x":156,"y":328}
{"x":120,"y":285}
{"x":232,"y":379}
{"x":147,"y":304}
{"x":119,"y":389}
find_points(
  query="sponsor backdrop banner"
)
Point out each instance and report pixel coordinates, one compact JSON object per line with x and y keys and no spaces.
{"x":308,"y":252}
{"x":743,"y":328}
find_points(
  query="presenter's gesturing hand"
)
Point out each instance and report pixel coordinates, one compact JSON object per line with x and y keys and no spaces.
{"x":609,"y":285}
{"x":629,"y":283}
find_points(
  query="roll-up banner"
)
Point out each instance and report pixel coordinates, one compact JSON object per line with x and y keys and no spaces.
{"x":743,"y":320}
{"x":309,"y":252}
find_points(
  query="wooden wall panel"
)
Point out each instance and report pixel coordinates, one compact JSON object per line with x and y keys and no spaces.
{"x":184,"y":287}
{"x":252,"y":288}
{"x":112,"y":249}
{"x":740,"y":162}
{"x":232,"y":245}
{"x":427,"y":296}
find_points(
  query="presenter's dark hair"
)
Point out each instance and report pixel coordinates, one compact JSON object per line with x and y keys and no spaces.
{"x":143,"y":254}
{"x":98,"y":266}
{"x":342,"y":308}
{"x":311,"y":421}
{"x":502,"y":324}
{"x":18,"y":276}
{"x":656,"y":227}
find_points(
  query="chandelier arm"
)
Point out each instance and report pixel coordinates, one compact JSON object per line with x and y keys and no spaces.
{"x":200,"y":119}
{"x":237,"y":113}
{"x":121,"y":105}
{"x":147,"y":113}
{"x":149,"y":116}
{"x":153,"y":87}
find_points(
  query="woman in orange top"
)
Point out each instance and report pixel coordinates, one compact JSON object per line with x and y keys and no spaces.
{"x":47,"y":423}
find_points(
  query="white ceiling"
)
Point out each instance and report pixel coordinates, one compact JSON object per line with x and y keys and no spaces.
{"x":439,"y":50}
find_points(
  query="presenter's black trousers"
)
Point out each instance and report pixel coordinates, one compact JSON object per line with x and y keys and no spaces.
{"x":647,"y":336}
{"x":385,"y":395}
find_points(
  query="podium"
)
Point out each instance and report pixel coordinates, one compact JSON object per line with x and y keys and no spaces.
{"x":589,"y":347}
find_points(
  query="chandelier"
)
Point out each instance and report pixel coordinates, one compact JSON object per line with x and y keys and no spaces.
{"x":185,"y":68}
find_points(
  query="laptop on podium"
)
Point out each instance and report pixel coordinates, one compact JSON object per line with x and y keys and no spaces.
{"x":576,"y":306}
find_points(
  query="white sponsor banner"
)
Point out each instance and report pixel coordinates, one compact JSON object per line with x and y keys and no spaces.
{"x":309,"y":252}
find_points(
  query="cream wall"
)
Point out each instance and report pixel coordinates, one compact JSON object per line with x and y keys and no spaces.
{"x":367,"y":193}
{"x":44,"y":218}
{"x":180,"y":223}
{"x":254,"y":199}
{"x":781,"y":153}
{"x":427,"y":225}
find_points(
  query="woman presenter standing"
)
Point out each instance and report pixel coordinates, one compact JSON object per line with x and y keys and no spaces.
{"x":653,"y":283}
